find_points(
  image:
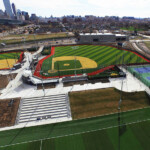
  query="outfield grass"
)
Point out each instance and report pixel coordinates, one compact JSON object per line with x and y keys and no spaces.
{"x":91,"y":103}
{"x":102,"y":55}
{"x":10,"y":55}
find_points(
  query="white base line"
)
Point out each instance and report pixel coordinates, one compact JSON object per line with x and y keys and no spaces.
{"x":72,"y":134}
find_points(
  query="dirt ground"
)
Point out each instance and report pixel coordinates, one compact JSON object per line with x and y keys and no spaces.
{"x":8,"y":112}
{"x":7,"y":63}
{"x":104,"y":101}
{"x":4,"y":80}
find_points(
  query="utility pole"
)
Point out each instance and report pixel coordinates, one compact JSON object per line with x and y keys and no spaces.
{"x":23,"y":40}
{"x":43,"y":85}
{"x":35,"y":41}
{"x":75,"y":62}
{"x":7,"y":63}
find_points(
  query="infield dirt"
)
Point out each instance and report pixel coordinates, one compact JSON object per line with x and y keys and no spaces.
{"x":7,"y":63}
{"x":85,"y":62}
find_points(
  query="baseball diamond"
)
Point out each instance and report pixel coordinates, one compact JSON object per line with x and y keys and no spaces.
{"x":83,"y":59}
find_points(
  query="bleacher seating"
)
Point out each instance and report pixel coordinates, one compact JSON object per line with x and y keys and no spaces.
{"x":41,"y":108}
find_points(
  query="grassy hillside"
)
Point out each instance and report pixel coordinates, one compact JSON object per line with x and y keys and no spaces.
{"x":98,"y":102}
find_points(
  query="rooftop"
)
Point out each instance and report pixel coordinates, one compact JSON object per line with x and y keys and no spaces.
{"x":96,"y":34}
{"x":86,"y":34}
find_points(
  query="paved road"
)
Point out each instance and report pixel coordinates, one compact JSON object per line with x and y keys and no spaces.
{"x":145,"y":36}
{"x":133,"y":41}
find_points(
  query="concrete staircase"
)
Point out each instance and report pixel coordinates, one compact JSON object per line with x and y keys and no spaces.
{"x":43,"y":108}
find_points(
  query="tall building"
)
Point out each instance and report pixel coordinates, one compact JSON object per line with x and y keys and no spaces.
{"x":19,"y":15}
{"x":8,"y":8}
{"x":26,"y":15}
{"x":33,"y":17}
{"x":1,"y":13}
{"x":14,"y":9}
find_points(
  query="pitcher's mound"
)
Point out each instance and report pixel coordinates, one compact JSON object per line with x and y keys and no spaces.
{"x":66,"y":64}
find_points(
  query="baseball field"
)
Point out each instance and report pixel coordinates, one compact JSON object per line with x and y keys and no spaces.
{"x":98,"y":133}
{"x":70,"y":60}
{"x":7,"y":60}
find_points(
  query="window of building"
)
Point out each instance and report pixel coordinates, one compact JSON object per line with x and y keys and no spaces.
{"x":95,"y":40}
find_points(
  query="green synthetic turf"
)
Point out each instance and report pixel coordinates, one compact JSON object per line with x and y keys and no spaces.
{"x":10,"y":55}
{"x":102,"y":55}
{"x":25,"y":146}
{"x":71,"y":127}
{"x":60,"y":65}
{"x":135,"y":137}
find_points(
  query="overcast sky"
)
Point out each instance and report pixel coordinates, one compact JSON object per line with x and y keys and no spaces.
{"x":136,"y":8}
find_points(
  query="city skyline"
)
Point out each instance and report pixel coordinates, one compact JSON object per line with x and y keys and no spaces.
{"x":58,"y":8}
{"x":8,"y":8}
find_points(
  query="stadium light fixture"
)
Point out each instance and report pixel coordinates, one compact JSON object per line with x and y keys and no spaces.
{"x":120,"y":101}
{"x":42,"y":81}
{"x":119,"y":107}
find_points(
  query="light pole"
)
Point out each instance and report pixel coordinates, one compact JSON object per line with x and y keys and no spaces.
{"x":119,"y":107}
{"x":35,"y":41}
{"x":75,"y":61}
{"x":41,"y":72}
{"x":43,"y":84}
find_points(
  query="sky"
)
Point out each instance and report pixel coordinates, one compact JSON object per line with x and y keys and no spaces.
{"x":58,"y":8}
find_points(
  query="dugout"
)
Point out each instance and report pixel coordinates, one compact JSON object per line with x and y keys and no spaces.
{"x":16,"y":66}
{"x":74,"y":79}
{"x":114,"y":72}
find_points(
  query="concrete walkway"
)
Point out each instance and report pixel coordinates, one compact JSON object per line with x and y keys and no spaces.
{"x":130,"y":84}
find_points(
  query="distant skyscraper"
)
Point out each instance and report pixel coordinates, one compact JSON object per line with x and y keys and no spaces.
{"x":8,"y":8}
{"x":19,"y":14}
{"x":14,"y":9}
{"x":1,"y":13}
{"x":26,"y":15}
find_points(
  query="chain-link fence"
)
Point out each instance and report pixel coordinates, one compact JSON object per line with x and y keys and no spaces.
{"x":139,"y":76}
